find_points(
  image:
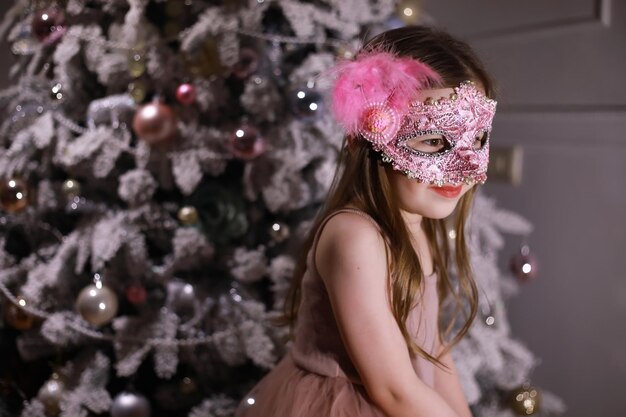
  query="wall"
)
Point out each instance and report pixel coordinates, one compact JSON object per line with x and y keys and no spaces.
{"x":561,"y":69}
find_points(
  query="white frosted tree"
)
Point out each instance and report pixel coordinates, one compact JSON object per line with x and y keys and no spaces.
{"x":494,"y":368}
{"x":159,"y":164}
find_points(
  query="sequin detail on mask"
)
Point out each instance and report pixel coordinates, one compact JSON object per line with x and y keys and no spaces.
{"x":380,"y":123}
{"x":460,"y":119}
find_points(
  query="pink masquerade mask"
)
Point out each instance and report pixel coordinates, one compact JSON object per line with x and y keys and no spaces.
{"x":374,"y":96}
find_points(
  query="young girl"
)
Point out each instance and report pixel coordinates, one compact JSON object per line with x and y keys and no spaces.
{"x":417,"y":108}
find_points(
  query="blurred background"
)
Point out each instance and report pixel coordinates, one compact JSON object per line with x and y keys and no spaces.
{"x":559,"y":152}
{"x":561,"y":69}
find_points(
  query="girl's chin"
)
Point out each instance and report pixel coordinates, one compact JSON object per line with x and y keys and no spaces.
{"x":435,"y":213}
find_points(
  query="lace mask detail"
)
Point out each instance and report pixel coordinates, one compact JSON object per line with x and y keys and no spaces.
{"x":462,"y":126}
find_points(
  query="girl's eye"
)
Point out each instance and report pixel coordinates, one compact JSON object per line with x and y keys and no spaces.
{"x":480,"y":140}
{"x":429,"y":143}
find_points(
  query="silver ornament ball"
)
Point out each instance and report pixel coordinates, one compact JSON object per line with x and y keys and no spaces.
{"x":97,"y":304}
{"x":50,"y":395}
{"x":181,"y":297}
{"x":128,"y":404}
{"x":306,"y":101}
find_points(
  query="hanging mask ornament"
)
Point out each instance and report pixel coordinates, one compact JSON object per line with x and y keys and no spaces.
{"x":374,"y":96}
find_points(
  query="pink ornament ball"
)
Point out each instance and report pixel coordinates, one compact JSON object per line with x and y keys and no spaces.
{"x":524,"y":265}
{"x":155,"y":122}
{"x":247,"y":65}
{"x":136,"y":294}
{"x":246,"y":143}
{"x":48,"y":24}
{"x":186,"y":94}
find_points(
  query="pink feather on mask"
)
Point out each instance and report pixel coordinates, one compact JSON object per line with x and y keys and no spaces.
{"x":378,"y":77}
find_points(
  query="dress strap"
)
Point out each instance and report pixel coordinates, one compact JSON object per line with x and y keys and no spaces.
{"x":318,"y":232}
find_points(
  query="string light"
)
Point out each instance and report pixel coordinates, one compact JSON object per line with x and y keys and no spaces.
{"x":94,"y":334}
{"x":281,"y":39}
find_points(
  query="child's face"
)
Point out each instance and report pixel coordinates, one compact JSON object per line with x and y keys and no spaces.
{"x":423,"y":198}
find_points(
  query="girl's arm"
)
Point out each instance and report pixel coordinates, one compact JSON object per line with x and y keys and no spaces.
{"x":448,"y":386}
{"x":350,"y":258}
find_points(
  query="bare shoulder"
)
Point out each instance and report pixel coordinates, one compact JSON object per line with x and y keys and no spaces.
{"x":349,"y":241}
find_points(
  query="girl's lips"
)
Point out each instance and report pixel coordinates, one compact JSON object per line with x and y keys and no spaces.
{"x":448,"y":190}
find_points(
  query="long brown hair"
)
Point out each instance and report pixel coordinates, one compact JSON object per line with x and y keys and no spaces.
{"x":361,"y":180}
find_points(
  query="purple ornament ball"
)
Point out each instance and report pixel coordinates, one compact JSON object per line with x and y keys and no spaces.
{"x":246,"y":142}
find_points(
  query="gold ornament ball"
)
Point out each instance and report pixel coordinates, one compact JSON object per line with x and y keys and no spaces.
{"x":525,"y":400}
{"x":188,"y":215}
{"x":97,"y":304}
{"x":205,"y":60}
{"x":71,"y":188}
{"x":155,"y":122}
{"x":50,"y":394}
{"x":16,"y":317}
{"x":188,"y":386}
{"x":172,"y":28}
{"x":137,"y":90}
{"x":136,"y":63}
{"x":409,"y":11}
{"x":344,"y":52}
{"x":174,"y":8}
{"x":13,"y":195}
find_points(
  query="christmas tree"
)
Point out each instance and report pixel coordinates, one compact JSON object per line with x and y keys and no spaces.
{"x":160,"y":162}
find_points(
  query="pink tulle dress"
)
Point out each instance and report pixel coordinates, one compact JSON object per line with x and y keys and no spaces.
{"x":316,"y":377}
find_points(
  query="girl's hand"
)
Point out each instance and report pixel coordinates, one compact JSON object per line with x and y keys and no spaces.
{"x":448,"y":386}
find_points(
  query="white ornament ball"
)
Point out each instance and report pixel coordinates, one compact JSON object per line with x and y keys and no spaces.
{"x":97,"y":304}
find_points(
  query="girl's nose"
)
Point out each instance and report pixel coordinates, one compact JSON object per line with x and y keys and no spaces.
{"x":468,"y":156}
{"x":465,"y":153}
